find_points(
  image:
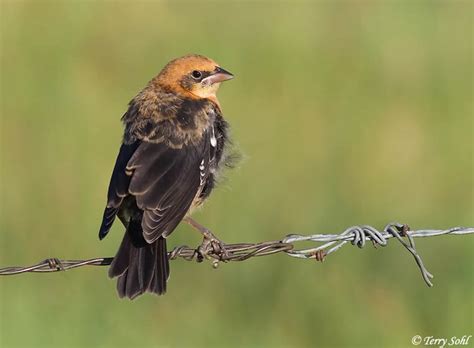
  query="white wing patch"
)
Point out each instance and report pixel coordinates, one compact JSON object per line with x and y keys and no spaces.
{"x":202,"y":173}
{"x":213,"y":138}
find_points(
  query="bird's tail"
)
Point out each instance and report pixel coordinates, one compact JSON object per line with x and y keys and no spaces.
{"x":140,"y":268}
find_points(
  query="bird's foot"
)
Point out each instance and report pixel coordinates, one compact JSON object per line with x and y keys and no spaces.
{"x":210,"y":246}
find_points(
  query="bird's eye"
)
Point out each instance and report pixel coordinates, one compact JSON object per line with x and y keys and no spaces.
{"x":196,"y":74}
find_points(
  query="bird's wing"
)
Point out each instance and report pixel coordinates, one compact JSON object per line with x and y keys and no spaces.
{"x":118,"y":187}
{"x":163,"y":180}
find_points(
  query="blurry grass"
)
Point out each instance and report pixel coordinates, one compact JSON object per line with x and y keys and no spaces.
{"x":347,"y":113}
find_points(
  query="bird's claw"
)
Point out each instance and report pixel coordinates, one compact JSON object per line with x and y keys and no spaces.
{"x":212,"y":246}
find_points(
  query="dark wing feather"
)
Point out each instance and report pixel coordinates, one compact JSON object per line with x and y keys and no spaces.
{"x":118,"y":187}
{"x":165,"y":185}
{"x":149,"y":164}
{"x":163,"y":180}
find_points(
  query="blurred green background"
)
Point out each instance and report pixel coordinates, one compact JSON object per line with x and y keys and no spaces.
{"x":346,"y":113}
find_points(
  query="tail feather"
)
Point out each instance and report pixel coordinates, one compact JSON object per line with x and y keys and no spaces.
{"x":120,"y":262}
{"x":132,"y":286}
{"x":163,"y":273}
{"x":146,"y":266}
{"x":140,"y":268}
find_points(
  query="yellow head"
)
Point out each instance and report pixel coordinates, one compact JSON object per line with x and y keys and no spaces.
{"x":193,"y":75}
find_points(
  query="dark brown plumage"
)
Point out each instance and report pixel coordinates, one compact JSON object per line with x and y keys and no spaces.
{"x":173,"y":146}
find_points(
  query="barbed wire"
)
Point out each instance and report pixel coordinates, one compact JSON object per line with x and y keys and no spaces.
{"x":356,"y":235}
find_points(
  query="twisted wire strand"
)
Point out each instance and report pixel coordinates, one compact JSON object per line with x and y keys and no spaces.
{"x":356,"y":235}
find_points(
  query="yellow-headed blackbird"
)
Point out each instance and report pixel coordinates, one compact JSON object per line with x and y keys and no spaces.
{"x":172,"y":149}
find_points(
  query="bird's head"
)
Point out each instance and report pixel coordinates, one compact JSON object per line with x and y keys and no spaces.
{"x":193,"y":75}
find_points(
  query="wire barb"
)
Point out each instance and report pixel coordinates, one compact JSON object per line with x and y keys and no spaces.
{"x":356,"y":235}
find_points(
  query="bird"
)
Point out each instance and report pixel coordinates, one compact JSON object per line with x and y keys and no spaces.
{"x":173,"y":148}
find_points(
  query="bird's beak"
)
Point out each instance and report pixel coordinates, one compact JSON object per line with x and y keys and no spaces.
{"x":219,"y":75}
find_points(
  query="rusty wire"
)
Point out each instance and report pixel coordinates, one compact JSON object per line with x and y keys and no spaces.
{"x":356,"y":235}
